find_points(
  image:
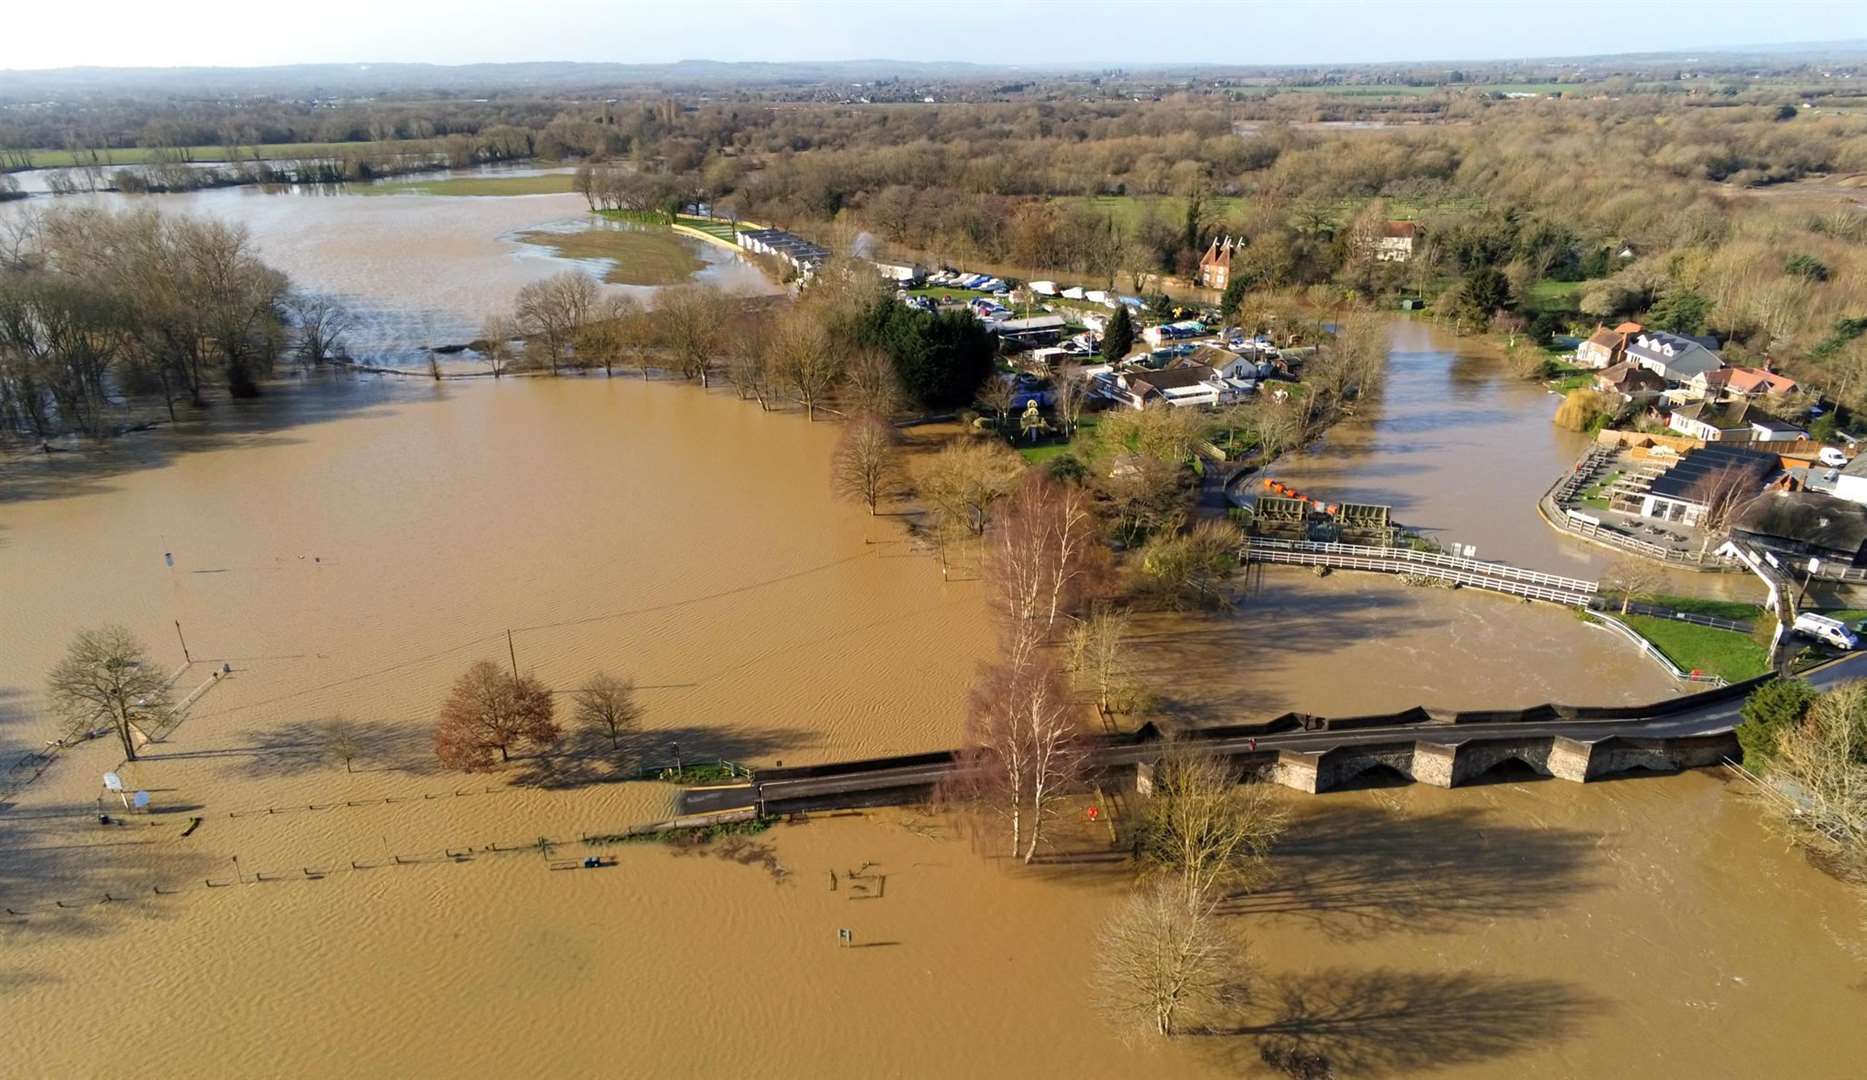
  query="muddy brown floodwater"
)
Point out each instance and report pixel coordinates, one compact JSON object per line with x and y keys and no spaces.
{"x":350,"y":544}
{"x":413,"y":270}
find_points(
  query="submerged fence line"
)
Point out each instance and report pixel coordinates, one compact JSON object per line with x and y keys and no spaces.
{"x":18,"y":914}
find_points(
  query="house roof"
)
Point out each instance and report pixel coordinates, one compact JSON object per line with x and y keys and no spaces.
{"x":1689,"y":479}
{"x":1629,"y":328}
{"x":1680,"y":356}
{"x":1810,"y":518}
{"x":1748,"y":380}
{"x":1733,"y":416}
{"x":1179,"y":378}
{"x":1208,"y":355}
{"x":1605,"y":337}
{"x":1400,"y":229}
{"x":1629,"y":377}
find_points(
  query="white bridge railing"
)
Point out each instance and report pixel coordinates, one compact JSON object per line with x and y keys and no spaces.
{"x":1495,"y":577}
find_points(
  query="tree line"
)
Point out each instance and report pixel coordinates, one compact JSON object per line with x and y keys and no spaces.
{"x":96,"y":306}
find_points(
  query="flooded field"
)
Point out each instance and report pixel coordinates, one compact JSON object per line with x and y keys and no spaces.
{"x":350,"y":544}
{"x":414,"y":269}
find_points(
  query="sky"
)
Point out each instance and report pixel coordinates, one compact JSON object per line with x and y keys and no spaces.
{"x":1072,"y":33}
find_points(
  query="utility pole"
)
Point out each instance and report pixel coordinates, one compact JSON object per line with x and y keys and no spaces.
{"x":511,"y":652}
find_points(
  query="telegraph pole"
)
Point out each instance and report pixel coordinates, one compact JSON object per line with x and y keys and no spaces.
{"x":513,"y":653}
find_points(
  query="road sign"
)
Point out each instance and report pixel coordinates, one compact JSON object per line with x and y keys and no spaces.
{"x":141,"y":800}
{"x":113,"y":782}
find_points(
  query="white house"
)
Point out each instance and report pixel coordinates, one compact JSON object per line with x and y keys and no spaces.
{"x":1672,"y":357}
{"x":1738,"y":421}
{"x":1179,"y":387}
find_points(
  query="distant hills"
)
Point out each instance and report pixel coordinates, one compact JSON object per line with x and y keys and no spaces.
{"x":301,"y":81}
{"x":361,"y":80}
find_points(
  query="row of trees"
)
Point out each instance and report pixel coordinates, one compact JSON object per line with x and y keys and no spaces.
{"x":844,"y":343}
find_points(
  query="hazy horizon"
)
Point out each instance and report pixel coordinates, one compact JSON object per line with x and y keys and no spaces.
{"x":1038,"y":34}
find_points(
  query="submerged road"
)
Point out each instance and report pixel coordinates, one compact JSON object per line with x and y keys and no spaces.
{"x":1714,"y":718}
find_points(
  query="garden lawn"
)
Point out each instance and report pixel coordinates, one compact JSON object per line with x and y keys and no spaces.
{"x":1701,"y":648}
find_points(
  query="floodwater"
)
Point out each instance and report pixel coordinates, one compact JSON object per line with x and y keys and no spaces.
{"x":351,"y":543}
{"x":413,"y":270}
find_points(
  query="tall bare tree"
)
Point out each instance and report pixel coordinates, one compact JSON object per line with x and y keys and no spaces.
{"x":1072,"y":398}
{"x":1725,"y":493}
{"x":965,"y":481}
{"x":607,"y":704}
{"x":341,"y":738}
{"x":1204,"y":827}
{"x":1022,"y":751}
{"x":498,"y":332}
{"x":1042,"y":562}
{"x":107,"y":675}
{"x":1156,"y":960}
{"x":555,"y":311}
{"x":1636,"y":579}
{"x":319,"y":324}
{"x":805,"y":359}
{"x":1098,"y":654}
{"x":866,"y":464}
{"x":691,"y":321}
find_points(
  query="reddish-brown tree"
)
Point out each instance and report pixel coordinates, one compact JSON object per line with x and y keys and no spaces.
{"x":490,"y":712}
{"x":1043,"y":562}
{"x":1022,"y":753}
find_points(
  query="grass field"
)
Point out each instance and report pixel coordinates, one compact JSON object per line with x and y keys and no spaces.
{"x":547,"y":184}
{"x":56,"y":159}
{"x":1128,"y":210}
{"x":1553,"y":295}
{"x":1717,"y":609}
{"x":638,"y":256}
{"x":1701,"y":648}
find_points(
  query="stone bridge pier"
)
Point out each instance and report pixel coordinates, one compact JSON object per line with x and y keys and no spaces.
{"x":1455,"y":764}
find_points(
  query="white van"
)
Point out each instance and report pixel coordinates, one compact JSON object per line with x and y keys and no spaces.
{"x":1832,"y":457}
{"x":1826,"y":630}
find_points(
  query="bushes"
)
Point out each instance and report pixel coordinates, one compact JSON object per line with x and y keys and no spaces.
{"x":1771,"y":709}
{"x":1583,"y":410}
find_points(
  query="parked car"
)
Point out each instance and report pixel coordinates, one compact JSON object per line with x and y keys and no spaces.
{"x":1832,"y":456}
{"x":1826,"y":630}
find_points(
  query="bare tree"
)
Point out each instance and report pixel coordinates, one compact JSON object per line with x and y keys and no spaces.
{"x":319,"y":326}
{"x":556,"y":310}
{"x":870,"y":385}
{"x":1042,"y":562}
{"x":498,"y":332}
{"x":1072,"y":398}
{"x":1157,"y":959}
{"x":1098,"y":654}
{"x":1819,"y":775}
{"x":605,"y":338}
{"x":805,"y":359}
{"x":1022,"y":755}
{"x":966,"y":480}
{"x":106,"y":674}
{"x":490,"y":711}
{"x":1204,"y":827}
{"x":995,"y":397}
{"x":866,"y":465}
{"x":341,"y":738}
{"x":691,"y":321}
{"x":1635,"y":577}
{"x":1725,"y":493}
{"x":607,"y":704}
